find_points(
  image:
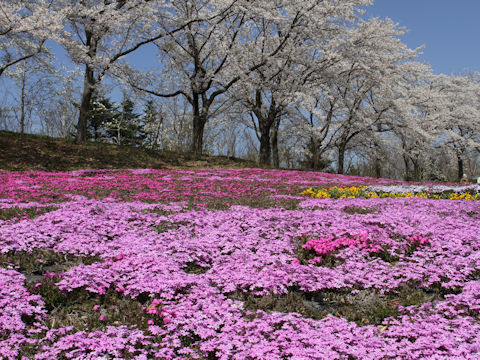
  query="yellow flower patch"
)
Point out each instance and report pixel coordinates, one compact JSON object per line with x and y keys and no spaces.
{"x":351,"y":192}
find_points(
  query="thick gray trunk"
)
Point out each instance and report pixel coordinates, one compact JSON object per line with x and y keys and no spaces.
{"x":378,"y":168}
{"x":417,"y":170}
{"x":407,"y":168}
{"x":265,"y":149}
{"x":199,"y":121}
{"x":460,"y":168}
{"x":88,"y":90}
{"x":197,"y":143}
{"x":85,"y":106}
{"x":275,"y":155}
{"x":341,"y":159}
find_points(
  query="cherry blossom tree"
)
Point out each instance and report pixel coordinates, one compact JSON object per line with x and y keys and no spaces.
{"x":197,"y":60}
{"x":32,"y":83}
{"x":57,"y":115}
{"x":309,"y":32}
{"x":358,"y":97}
{"x":458,"y":123}
{"x":229,"y":47}
{"x":100,"y":34}
{"x":24,"y":28}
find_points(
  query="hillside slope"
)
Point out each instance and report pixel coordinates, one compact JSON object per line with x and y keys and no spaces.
{"x":35,"y":152}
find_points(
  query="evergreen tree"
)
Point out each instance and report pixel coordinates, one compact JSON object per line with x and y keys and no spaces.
{"x":126,"y":127}
{"x":103,"y":111}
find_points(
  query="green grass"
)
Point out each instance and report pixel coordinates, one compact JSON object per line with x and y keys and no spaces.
{"x":367,"y":307}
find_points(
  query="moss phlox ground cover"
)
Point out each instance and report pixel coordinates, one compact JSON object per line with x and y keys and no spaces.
{"x":164,"y":246}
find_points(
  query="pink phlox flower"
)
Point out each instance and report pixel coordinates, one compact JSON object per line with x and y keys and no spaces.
{"x":101,"y":290}
{"x":156,"y":302}
{"x":315,"y":260}
{"x":152,"y":310}
{"x":325,"y":246}
{"x":418,"y":239}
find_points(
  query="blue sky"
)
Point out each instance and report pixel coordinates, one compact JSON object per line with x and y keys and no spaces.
{"x":449,"y":29}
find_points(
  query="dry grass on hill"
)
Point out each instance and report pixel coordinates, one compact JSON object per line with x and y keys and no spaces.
{"x":35,"y":152}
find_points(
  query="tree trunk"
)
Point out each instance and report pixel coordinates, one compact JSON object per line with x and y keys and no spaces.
{"x":275,"y":156}
{"x":406,"y":159}
{"x":416,"y":170}
{"x":265,"y":148}
{"x":341,"y":159}
{"x":199,"y":120}
{"x":23,"y":95}
{"x":85,"y":106}
{"x":460,"y":168}
{"x":268,"y":129}
{"x":119,"y":136}
{"x":88,"y":90}
{"x":157,"y":135}
{"x":315,"y":162}
{"x":407,"y":168}
{"x":197,"y":143}
{"x":378,"y":168}
{"x":265,"y":128}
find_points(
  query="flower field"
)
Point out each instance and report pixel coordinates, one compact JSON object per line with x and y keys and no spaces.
{"x":236,"y":264}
